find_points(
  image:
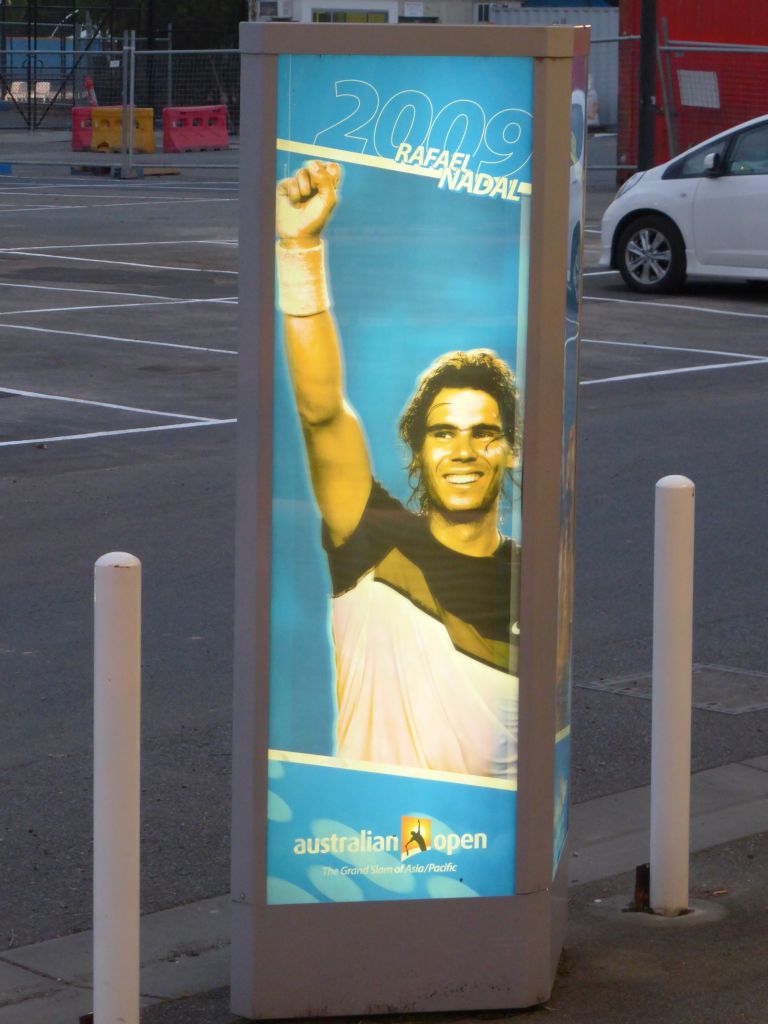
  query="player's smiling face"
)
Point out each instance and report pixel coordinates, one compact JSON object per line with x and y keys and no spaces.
{"x":465,"y":453}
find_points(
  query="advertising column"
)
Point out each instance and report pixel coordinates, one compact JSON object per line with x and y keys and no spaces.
{"x":405,"y":476}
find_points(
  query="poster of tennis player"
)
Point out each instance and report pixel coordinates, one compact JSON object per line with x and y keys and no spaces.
{"x":402,"y":216}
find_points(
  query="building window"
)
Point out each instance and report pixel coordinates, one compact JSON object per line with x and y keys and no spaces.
{"x":351,"y":17}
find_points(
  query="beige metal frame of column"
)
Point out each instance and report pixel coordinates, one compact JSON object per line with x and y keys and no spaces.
{"x":357,"y":958}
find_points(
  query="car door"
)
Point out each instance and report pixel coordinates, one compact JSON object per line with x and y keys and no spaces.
{"x":730,"y":210}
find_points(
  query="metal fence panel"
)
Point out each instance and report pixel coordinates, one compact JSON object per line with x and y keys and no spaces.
{"x":604,"y":73}
{"x":39,"y":87}
{"x":710,"y":89}
{"x":604,"y":55}
{"x":189,"y":78}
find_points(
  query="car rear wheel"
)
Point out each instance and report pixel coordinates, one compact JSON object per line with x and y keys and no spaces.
{"x":651,"y":255}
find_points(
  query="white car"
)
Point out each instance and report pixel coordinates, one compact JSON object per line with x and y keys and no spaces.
{"x":705,"y":213}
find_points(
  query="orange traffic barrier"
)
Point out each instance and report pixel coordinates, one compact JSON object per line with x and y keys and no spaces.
{"x":90,"y":92}
{"x":194,"y":128}
{"x":107,"y":132}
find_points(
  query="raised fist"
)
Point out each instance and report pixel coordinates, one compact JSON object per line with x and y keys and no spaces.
{"x":305,"y":202}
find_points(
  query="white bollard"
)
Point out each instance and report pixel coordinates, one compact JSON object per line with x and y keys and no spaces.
{"x":117,"y":693}
{"x":671,"y":684}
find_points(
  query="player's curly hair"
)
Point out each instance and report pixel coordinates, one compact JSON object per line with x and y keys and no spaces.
{"x":479,"y":369}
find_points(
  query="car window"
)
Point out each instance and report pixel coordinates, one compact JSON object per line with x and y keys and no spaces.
{"x":750,"y":152}
{"x":693,"y":165}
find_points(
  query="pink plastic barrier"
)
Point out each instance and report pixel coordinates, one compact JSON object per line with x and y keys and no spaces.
{"x":194,"y":128}
{"x":82,"y":129}
{"x":90,"y":92}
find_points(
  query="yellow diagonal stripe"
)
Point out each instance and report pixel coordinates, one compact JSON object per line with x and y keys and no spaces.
{"x":345,"y":156}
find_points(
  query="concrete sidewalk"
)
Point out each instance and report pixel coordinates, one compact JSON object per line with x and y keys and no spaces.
{"x":616,"y":966}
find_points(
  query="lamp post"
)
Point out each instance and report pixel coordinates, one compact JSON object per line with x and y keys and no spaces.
{"x":647,"y":113}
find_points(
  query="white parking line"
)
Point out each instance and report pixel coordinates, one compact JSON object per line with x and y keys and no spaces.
{"x":117,"y":263}
{"x":80,"y":191}
{"x":123,"y":245}
{"x":105,"y":405}
{"x":671,"y":373}
{"x":141,"y":201}
{"x":85,"y":201}
{"x":672,"y":348}
{"x":677,"y":305}
{"x":94,"y":206}
{"x":113,"y":337}
{"x":33,"y":209}
{"x":229,"y":301}
{"x":14,"y":187}
{"x":84,"y":291}
{"x":115,"y":433}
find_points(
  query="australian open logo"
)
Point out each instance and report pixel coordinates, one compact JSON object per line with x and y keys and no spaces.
{"x":415,"y":836}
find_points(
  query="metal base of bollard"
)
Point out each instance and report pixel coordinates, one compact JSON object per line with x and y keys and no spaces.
{"x":93,"y":169}
{"x":144,"y":172}
{"x":641,"y":904}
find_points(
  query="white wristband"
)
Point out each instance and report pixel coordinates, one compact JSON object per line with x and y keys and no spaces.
{"x":302,"y":287}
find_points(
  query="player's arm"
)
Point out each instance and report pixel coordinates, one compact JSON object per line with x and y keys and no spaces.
{"x":339,"y":463}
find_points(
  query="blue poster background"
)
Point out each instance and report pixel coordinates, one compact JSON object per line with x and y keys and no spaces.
{"x":416,"y":270}
{"x":315,"y":801}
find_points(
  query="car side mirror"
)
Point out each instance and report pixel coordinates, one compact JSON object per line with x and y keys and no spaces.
{"x":713,"y":165}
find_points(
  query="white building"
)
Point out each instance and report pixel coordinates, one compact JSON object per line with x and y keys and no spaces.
{"x":452,"y":12}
